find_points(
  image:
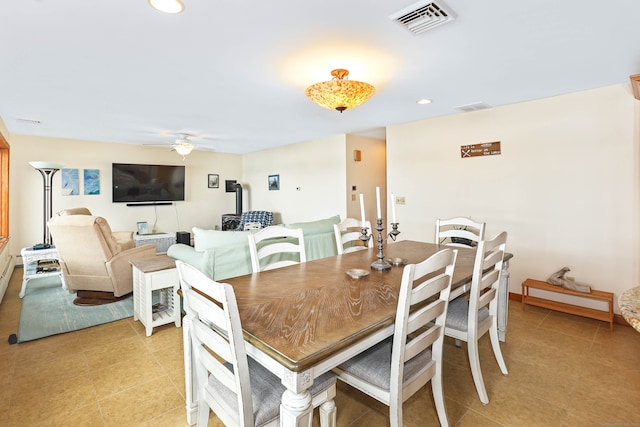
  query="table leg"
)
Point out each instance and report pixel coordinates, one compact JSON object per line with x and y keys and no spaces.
{"x":24,"y":286}
{"x":296,"y":409}
{"x":503,"y":302}
{"x":64,"y":282}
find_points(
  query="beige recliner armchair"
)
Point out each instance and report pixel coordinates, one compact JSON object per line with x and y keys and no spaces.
{"x":94,"y":262}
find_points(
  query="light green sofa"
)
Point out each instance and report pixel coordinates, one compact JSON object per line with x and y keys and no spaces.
{"x":224,"y":254}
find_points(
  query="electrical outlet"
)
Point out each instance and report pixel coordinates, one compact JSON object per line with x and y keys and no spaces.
{"x":400,"y":200}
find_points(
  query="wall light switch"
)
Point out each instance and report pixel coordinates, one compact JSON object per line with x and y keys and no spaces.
{"x":353,"y":197}
{"x":400,"y":200}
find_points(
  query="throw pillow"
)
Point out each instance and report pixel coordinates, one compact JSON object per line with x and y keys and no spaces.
{"x":316,"y":227}
{"x":207,"y":239}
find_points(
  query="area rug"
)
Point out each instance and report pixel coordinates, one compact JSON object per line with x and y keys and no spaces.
{"x":47,"y":310}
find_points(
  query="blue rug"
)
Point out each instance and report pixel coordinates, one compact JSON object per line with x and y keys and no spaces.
{"x":47,"y":310}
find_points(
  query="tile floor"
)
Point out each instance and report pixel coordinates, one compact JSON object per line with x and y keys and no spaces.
{"x":563,"y":371}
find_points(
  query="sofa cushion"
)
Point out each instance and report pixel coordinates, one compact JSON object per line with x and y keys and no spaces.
{"x":102,"y":225}
{"x":207,"y":239}
{"x":74,"y":211}
{"x":316,"y":227}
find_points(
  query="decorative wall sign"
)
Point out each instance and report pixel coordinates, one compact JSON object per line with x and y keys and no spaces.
{"x":91,"y":181}
{"x":484,"y":149}
{"x":70,"y":186}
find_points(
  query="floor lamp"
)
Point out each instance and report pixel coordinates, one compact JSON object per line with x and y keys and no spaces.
{"x":47,"y":170}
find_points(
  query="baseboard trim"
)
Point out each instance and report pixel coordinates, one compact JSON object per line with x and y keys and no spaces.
{"x":617,"y":318}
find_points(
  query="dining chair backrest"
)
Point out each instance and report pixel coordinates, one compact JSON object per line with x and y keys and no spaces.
{"x":395,"y":369}
{"x":469,"y":319}
{"x":348,"y":234}
{"x":275,"y":247}
{"x":486,"y":274}
{"x":239,"y":390}
{"x":424,"y":326}
{"x":459,"y":232}
{"x":217,"y":342}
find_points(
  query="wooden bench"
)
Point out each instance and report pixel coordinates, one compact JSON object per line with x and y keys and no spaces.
{"x":606,"y":316}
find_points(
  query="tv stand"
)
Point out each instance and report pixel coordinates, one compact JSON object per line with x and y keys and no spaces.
{"x":150,"y":204}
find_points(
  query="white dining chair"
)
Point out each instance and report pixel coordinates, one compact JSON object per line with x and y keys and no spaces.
{"x":395,"y":369}
{"x":348,"y":234}
{"x":275,"y":247}
{"x":459,"y":231}
{"x":469,"y":319}
{"x":239,"y":390}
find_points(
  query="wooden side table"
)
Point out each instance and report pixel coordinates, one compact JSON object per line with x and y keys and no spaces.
{"x":30,"y":258}
{"x":155,"y":292}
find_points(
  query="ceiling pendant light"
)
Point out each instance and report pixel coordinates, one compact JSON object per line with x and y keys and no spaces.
{"x":339,"y":93}
{"x":167,"y":6}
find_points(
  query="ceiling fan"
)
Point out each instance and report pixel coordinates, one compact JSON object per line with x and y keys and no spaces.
{"x":182,"y":145}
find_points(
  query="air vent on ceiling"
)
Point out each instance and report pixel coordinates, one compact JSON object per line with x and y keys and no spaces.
{"x":27,"y":121}
{"x":473,"y":107}
{"x":423,"y":16}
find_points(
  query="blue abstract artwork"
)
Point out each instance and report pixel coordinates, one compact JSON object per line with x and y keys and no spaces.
{"x":70,"y":186}
{"x":91,"y":181}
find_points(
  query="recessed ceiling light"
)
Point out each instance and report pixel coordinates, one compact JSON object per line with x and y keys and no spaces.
{"x":167,"y":6}
{"x":423,"y":101}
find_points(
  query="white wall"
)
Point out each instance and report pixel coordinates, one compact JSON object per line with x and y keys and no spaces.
{"x":312,"y":180}
{"x":366,"y":175}
{"x":565,"y":187}
{"x":202,"y":207}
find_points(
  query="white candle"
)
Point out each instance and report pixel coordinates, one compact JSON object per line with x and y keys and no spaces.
{"x":378,"y":201}
{"x":362,"y":209}
{"x":393,"y":208}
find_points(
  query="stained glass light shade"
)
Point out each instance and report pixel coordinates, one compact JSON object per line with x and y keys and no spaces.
{"x":339,"y":93}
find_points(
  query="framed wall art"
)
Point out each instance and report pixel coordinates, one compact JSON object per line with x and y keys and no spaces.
{"x":91,"y":181}
{"x":214,"y":180}
{"x":70,"y":183}
{"x":274,"y":182}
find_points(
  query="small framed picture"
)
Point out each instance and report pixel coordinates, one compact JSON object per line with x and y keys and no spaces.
{"x":274,"y":182}
{"x":214,"y":180}
{"x":230,"y":185}
{"x":143,"y":227}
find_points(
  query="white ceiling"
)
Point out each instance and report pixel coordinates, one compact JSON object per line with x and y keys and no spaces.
{"x":236,"y":71}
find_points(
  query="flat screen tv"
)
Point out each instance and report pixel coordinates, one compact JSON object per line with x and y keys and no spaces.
{"x":147,"y":183}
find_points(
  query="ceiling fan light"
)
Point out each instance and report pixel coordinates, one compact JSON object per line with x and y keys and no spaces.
{"x":339,"y":93}
{"x":184,"y":148}
{"x":167,"y":6}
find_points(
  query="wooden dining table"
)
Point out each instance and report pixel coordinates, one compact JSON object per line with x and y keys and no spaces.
{"x":303,"y":320}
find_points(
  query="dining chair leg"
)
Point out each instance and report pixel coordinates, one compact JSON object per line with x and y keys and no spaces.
{"x":203,"y":412}
{"x":438,"y":397}
{"x":497,"y":352}
{"x":328,"y":414}
{"x":395,"y":414}
{"x":476,"y":372}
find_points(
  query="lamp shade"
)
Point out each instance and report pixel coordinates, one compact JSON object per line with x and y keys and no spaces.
{"x":339,"y":93}
{"x":46,"y":165}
